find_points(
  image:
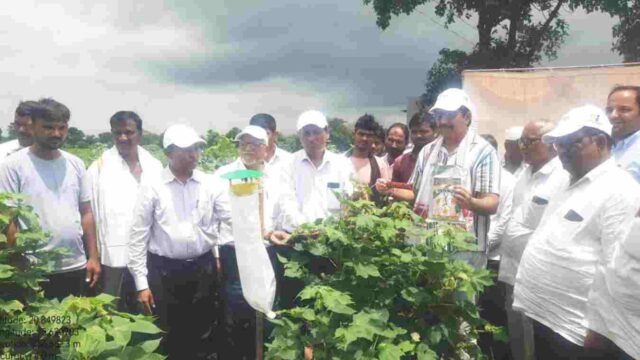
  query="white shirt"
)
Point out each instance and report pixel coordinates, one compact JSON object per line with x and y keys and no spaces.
{"x":113,"y":195}
{"x":176,"y":220}
{"x":308,"y":190}
{"x":271,"y":188}
{"x":498,"y":221}
{"x":577,"y":233}
{"x":614,"y":302}
{"x":279,"y":158}
{"x":8,"y":148}
{"x":531,"y":195}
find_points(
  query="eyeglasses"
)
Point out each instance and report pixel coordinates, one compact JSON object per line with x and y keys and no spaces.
{"x":574,"y":145}
{"x":312,"y":131}
{"x":249,"y":145}
{"x":526,"y":142}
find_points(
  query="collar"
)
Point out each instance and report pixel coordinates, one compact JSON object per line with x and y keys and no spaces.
{"x":550,"y":166}
{"x":596,"y":172}
{"x":167,"y":175}
{"x":327,"y":158}
{"x":626,"y":142}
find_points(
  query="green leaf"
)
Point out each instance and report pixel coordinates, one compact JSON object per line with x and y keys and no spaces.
{"x":10,"y":306}
{"x":90,"y":342}
{"x":365,"y":222}
{"x":121,"y":330}
{"x":150,"y":345}
{"x":105,"y":298}
{"x":387,"y":351}
{"x":6,"y":271}
{"x":366,"y":271}
{"x":423,"y":352}
{"x":145,"y":327}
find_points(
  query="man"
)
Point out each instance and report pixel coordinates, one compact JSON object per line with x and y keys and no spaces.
{"x":512,"y":155}
{"x":465,"y":158}
{"x":22,"y":127}
{"x":422,"y":131}
{"x":396,"y":141}
{"x":377,"y":145}
{"x":55,"y":185}
{"x":239,"y":319}
{"x":623,"y":109}
{"x":310,"y":179}
{"x":175,"y":226}
{"x":115,"y":179}
{"x":367,"y":167}
{"x":614,"y":314}
{"x":275,"y":155}
{"x":537,"y":185}
{"x":578,"y":231}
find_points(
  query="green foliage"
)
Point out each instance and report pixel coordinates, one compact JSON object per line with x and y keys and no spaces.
{"x":379,"y":285}
{"x":444,"y":74}
{"x":626,"y":34}
{"x":88,"y":154}
{"x":290,"y":143}
{"x":222,"y":152}
{"x":75,"y":328}
{"x":340,"y":135}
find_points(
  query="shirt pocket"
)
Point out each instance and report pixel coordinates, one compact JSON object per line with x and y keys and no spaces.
{"x":204,"y":212}
{"x":534,"y":211}
{"x":333,"y":187}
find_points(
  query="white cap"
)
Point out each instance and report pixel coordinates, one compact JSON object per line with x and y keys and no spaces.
{"x":585,"y":116}
{"x":451,"y":100}
{"x":513,"y":133}
{"x":311,"y":117}
{"x":181,"y":136}
{"x":253,"y":131}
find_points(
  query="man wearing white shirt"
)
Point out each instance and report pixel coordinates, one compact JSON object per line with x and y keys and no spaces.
{"x":513,"y":158}
{"x":22,"y":127}
{"x":114,"y":179}
{"x":623,"y":109}
{"x":577,"y":233}
{"x":239,"y":317}
{"x":175,"y":227}
{"x":314,"y":173}
{"x":275,"y":155}
{"x":535,"y":187}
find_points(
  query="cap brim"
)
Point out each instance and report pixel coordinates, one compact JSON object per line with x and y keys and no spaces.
{"x":560,"y":131}
{"x":186,"y":144}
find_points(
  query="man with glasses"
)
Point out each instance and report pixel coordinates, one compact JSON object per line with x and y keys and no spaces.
{"x":577,"y":233}
{"x":22,"y":127}
{"x":468,"y":160}
{"x":239,"y":317}
{"x":313,"y":176}
{"x":275,"y":155}
{"x":175,"y":226}
{"x":512,"y":155}
{"x":623,"y":109}
{"x":115,"y":179}
{"x":536,"y":186}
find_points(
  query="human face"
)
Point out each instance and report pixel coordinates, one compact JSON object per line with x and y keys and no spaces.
{"x":184,"y":160}
{"x":22,"y":126}
{"x":49,"y":135}
{"x":450,"y":123}
{"x":363,"y":140}
{"x":578,"y":153}
{"x":377,"y":146}
{"x":252,"y":151}
{"x":534,"y":151}
{"x":395,"y":142}
{"x":512,"y":153}
{"x":422,"y":135}
{"x":126,"y":137}
{"x":624,"y":114}
{"x":313,"y":139}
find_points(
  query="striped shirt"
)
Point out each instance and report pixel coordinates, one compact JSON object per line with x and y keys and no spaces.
{"x":484,"y":170}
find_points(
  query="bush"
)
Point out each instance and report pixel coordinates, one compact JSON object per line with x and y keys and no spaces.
{"x":380,"y":287}
{"x":33,"y":327}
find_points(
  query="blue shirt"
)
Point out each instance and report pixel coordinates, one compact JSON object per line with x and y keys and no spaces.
{"x":627,"y":154}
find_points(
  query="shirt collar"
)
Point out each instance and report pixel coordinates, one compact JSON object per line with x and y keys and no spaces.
{"x":596,"y":172}
{"x":628,"y":141}
{"x":167,"y":175}
{"x":326,"y":158}
{"x":550,"y":166}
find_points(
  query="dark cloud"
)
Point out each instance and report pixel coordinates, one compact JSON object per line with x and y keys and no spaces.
{"x":332,"y":44}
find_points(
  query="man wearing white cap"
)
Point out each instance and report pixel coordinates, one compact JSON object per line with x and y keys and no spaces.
{"x":512,"y":155}
{"x":115,"y":179}
{"x":310,"y":179}
{"x":577,"y":234}
{"x":468,"y":160}
{"x":275,"y":155}
{"x":239,"y":317}
{"x":175,"y":226}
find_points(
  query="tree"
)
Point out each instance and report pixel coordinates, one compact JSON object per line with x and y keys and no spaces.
{"x":341,"y":134}
{"x":444,"y":74}
{"x":75,"y":137}
{"x":105,"y":138}
{"x":149,"y":138}
{"x":231,"y":134}
{"x":627,"y":35}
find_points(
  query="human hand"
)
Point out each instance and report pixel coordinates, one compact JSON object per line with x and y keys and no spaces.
{"x":145,"y":297}
{"x":278,"y":237}
{"x":93,"y":272}
{"x":463,"y":197}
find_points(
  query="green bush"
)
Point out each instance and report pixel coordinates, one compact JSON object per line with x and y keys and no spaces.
{"x":379,"y":285}
{"x":33,"y":327}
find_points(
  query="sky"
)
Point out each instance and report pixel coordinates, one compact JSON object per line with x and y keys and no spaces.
{"x":213,"y":64}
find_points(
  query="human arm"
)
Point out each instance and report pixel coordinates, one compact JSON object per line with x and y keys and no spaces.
{"x":140,"y":234}
{"x":89,"y":235}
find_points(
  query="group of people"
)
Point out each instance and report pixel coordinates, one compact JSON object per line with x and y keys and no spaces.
{"x":558,"y":220}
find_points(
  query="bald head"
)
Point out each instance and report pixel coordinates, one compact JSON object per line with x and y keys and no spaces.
{"x":534,"y":151}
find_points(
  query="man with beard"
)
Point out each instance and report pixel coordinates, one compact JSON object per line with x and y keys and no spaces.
{"x":22,"y":127}
{"x":175,"y":227}
{"x":623,"y":109}
{"x":577,"y":234}
{"x":55,"y":185}
{"x":396,"y":141}
{"x":115,"y":179}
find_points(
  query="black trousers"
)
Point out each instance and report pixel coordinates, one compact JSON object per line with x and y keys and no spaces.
{"x":184,"y":294}
{"x":118,"y":282}
{"x":61,"y":285}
